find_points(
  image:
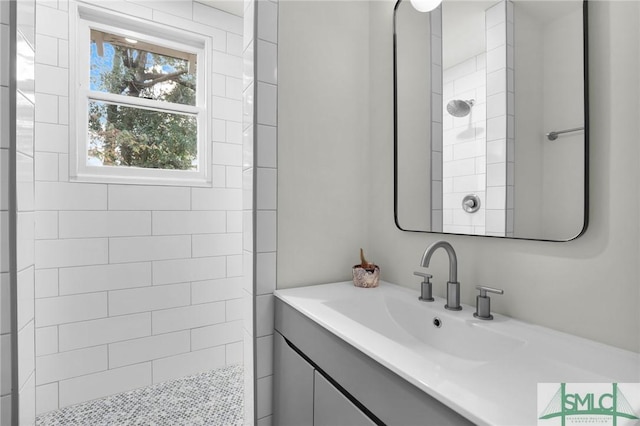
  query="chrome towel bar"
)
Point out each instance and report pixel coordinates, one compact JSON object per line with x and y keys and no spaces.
{"x":552,"y":136}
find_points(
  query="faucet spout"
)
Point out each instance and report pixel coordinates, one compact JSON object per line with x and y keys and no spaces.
{"x":453,"y":259}
{"x":453,"y":286}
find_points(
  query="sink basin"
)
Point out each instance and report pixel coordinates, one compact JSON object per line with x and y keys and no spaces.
{"x":453,"y":334}
{"x":426,"y":327}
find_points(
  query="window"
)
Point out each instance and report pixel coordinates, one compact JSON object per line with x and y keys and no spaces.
{"x":140,"y":111}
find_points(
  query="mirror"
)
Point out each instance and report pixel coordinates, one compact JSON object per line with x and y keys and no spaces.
{"x":491,"y":118}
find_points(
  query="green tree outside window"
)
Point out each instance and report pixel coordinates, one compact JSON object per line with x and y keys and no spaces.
{"x":121,"y":135}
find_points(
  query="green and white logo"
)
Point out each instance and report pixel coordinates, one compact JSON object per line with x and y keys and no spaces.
{"x":616,"y":404}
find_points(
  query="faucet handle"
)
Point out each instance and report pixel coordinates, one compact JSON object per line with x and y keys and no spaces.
{"x":484,"y":289}
{"x":426,"y":277}
{"x":426,"y":287}
{"x":483,"y":302}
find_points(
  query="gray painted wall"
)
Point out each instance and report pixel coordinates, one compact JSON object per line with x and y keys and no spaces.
{"x":323,"y":139}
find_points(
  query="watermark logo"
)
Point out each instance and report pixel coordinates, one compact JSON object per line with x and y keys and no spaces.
{"x":616,"y":404}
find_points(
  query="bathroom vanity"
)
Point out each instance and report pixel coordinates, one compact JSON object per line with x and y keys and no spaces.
{"x":322,"y":380}
{"x":353,"y":356}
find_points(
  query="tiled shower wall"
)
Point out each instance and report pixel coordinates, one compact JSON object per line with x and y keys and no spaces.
{"x":135,"y":284}
{"x":5,"y":279}
{"x":464,"y":146}
{"x":478,"y":149}
{"x":248,"y":216}
{"x":260,"y":188}
{"x":500,"y":119}
{"x":17,"y":255}
{"x":435,"y":19}
{"x":24,"y":142}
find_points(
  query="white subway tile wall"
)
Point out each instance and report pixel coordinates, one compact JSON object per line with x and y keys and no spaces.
{"x":260,"y":186}
{"x":134,"y":284}
{"x":60,"y":366}
{"x":5,"y":282}
{"x":187,"y":364}
{"x":264,"y":407}
{"x":464,"y":146}
{"x":25,"y":216}
{"x":511,"y":119}
{"x":5,"y":356}
{"x":47,"y":397}
{"x":82,"y":334}
{"x":192,"y":270}
{"x":105,"y":383}
{"x":248,"y":250}
{"x":264,"y":364}
{"x":500,"y":113}
{"x":135,"y":351}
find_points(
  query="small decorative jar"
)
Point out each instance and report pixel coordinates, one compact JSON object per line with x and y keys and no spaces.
{"x":368,"y":277}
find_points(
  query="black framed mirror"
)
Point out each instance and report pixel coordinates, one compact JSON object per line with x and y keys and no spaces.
{"x":491,"y":118}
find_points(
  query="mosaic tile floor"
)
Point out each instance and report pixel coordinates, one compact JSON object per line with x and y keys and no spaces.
{"x":214,"y":398}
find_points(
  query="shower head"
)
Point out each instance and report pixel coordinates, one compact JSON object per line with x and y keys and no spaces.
{"x":460,"y":108}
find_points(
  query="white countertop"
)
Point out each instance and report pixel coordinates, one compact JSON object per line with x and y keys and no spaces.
{"x":490,"y":387}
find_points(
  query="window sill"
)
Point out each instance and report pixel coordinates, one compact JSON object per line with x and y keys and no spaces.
{"x":122,"y":179}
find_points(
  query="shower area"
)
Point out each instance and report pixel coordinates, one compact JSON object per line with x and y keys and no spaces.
{"x":478,"y":118}
{"x":127,"y":302}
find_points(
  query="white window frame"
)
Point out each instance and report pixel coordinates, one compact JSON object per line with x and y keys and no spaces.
{"x":85,"y":17}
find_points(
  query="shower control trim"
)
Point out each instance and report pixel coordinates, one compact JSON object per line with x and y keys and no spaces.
{"x":471,"y":203}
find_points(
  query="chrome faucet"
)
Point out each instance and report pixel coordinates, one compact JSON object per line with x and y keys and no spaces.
{"x":453,"y":286}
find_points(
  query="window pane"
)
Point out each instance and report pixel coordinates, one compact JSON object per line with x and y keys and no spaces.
{"x":136,"y":137}
{"x":137,"y":68}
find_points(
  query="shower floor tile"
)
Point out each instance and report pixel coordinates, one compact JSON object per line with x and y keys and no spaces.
{"x":214,"y":398}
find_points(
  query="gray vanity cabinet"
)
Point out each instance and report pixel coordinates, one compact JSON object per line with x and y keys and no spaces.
{"x":292,"y":386}
{"x":331,"y":407}
{"x":303,"y":397}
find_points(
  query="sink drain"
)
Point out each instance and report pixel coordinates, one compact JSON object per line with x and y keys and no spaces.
{"x":437,"y":322}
